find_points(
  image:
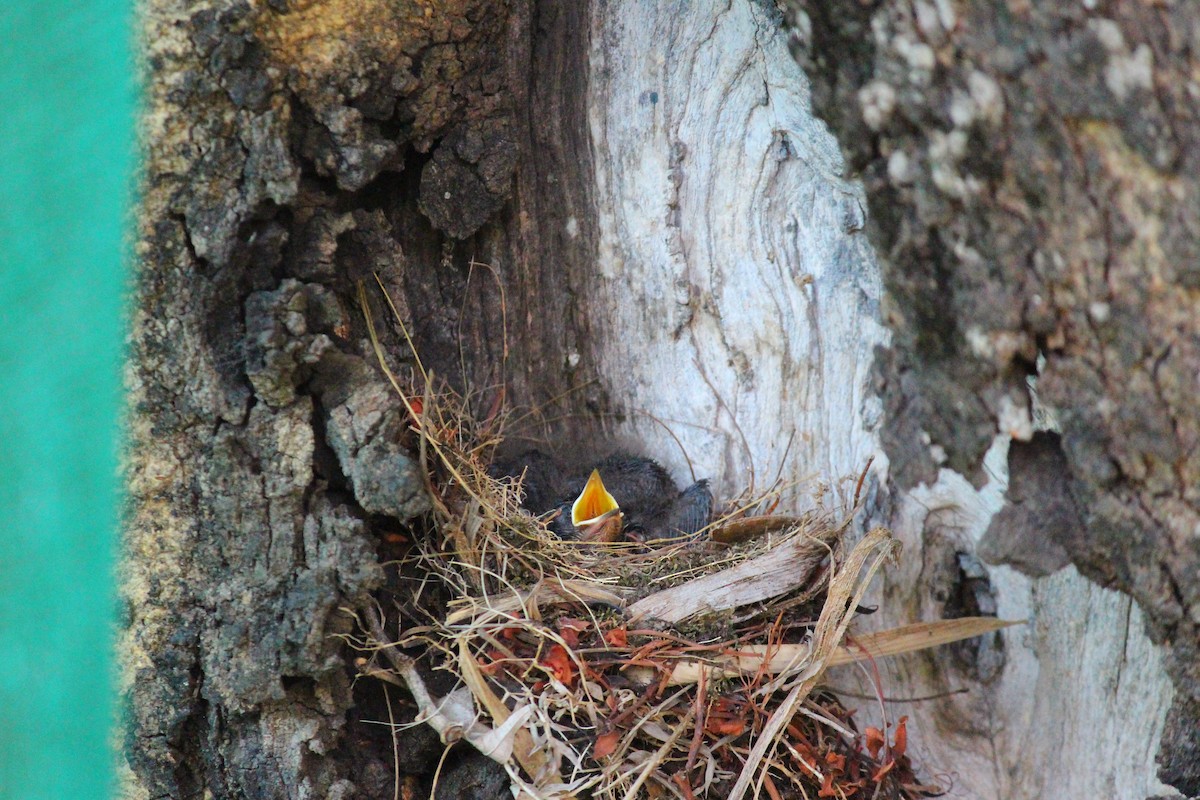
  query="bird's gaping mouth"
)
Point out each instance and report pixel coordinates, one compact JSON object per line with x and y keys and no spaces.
{"x":595,"y":512}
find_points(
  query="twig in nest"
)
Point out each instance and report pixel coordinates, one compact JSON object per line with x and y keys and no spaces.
{"x":453,"y":717}
{"x":783,"y":568}
{"x":578,"y":696}
{"x":845,"y":592}
{"x":776,"y":659}
{"x":861,"y":477}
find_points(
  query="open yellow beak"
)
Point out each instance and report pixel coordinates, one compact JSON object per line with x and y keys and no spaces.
{"x":593,"y":503}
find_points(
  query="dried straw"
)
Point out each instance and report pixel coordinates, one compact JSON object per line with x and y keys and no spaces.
{"x":619,"y":670}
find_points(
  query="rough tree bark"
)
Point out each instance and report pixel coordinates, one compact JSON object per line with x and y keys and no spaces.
{"x":294,"y":149}
{"x":671,"y":230}
{"x":1031,"y":170}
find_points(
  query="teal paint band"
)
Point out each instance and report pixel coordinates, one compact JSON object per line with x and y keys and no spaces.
{"x":67,"y":100}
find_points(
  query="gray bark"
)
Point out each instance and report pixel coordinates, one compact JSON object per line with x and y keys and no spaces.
{"x":293,"y":150}
{"x":1031,"y":171}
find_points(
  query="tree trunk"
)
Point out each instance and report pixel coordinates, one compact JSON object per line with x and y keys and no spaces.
{"x":1032,"y":178}
{"x":627,"y":215}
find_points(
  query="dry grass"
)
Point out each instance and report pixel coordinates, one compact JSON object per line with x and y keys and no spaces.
{"x":680,"y":668}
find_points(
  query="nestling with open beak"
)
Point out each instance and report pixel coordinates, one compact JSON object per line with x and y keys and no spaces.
{"x":595,"y":513}
{"x":621,"y":496}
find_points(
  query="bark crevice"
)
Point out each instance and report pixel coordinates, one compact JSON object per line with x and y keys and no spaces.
{"x":293,"y":151}
{"x":1031,"y":174}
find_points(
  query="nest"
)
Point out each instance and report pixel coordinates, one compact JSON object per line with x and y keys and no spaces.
{"x":685,"y":668}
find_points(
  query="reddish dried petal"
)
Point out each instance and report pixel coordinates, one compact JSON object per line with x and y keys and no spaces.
{"x":901,"y":741}
{"x":605,"y":744}
{"x":875,"y":741}
{"x":558,"y":661}
{"x":490,"y":663}
{"x":617,"y":637}
{"x":724,"y":726}
{"x":884,"y":770}
{"x":569,"y":629}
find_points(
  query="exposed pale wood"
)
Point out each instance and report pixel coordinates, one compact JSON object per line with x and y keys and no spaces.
{"x":788,"y":566}
{"x":732,"y":298}
{"x":737,"y":299}
{"x":1083,"y":664}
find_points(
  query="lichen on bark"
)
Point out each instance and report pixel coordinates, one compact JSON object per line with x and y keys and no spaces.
{"x":286,"y":145}
{"x":1032,"y":175}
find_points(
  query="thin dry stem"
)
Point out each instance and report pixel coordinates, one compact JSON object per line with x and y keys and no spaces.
{"x":543,"y":633}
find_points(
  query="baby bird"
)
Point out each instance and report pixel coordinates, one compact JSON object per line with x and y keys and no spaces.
{"x":622,"y":495}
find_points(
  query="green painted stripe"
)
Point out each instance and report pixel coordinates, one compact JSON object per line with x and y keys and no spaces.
{"x":66,"y":116}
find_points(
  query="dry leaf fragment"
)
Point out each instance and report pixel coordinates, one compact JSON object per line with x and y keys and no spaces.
{"x":875,"y":741}
{"x":901,"y":741}
{"x":746,"y":528}
{"x":605,"y":744}
{"x":558,"y":662}
{"x":569,"y":629}
{"x":617,"y":637}
{"x":724,"y":718}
